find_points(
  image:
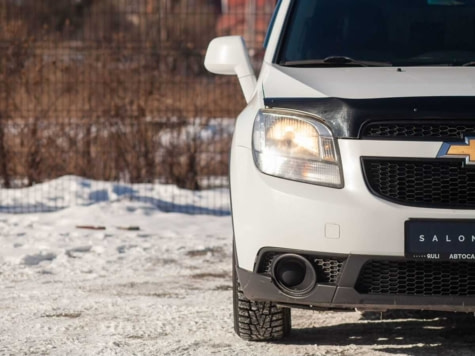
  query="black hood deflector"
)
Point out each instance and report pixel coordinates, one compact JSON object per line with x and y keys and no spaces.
{"x":346,"y":117}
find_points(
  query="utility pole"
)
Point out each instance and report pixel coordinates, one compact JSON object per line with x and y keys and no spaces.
{"x":251,"y":24}
{"x":224,"y":6}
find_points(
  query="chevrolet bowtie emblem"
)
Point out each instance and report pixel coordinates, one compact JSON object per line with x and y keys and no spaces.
{"x":459,"y":150}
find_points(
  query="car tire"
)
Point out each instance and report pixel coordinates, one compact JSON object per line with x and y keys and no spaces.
{"x":258,"y":321}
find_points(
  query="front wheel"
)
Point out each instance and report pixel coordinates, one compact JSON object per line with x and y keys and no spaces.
{"x":258,"y":321}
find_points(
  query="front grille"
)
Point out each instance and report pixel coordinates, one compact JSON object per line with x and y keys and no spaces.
{"x":426,"y":278}
{"x":328,"y":269}
{"x":416,"y":130}
{"x":422,"y":183}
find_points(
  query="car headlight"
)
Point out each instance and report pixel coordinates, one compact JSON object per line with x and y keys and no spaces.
{"x":296,"y":146}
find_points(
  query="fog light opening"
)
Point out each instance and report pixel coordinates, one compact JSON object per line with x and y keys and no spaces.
{"x":291,"y":274}
{"x":294,"y":275}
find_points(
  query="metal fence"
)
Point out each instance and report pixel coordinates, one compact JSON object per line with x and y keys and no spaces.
{"x":115,"y":91}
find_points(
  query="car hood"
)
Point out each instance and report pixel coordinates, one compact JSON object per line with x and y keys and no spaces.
{"x":367,"y":82}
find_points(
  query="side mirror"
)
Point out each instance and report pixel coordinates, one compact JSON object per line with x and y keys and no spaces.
{"x":229,"y":56}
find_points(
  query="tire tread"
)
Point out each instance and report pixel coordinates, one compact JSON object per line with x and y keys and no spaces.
{"x":258,"y":321}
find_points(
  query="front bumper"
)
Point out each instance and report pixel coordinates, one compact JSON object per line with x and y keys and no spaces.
{"x":356,"y":287}
{"x":349,"y":224}
{"x":270,"y":211}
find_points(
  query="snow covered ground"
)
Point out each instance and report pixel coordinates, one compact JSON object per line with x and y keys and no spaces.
{"x":148,"y":282}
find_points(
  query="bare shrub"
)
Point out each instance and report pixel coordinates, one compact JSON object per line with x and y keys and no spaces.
{"x":16,"y":51}
{"x":62,"y":18}
{"x":130,"y":102}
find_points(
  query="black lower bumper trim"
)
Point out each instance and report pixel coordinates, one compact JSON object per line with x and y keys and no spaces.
{"x":261,"y":287}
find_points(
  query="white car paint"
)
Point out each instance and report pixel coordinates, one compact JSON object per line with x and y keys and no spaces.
{"x":368,"y":83}
{"x":293,"y":215}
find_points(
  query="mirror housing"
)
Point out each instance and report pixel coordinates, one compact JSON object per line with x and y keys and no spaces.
{"x":229,"y":56}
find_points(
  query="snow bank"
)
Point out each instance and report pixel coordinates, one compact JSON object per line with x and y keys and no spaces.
{"x":69,"y":191}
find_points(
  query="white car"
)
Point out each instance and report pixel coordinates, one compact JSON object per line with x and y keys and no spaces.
{"x":353,"y":164}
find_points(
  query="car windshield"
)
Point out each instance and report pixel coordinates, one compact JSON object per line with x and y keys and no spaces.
{"x":380,"y":33}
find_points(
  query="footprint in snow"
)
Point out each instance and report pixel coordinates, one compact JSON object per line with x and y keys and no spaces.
{"x":123,"y":248}
{"x":77,"y":251}
{"x":36,"y":259}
